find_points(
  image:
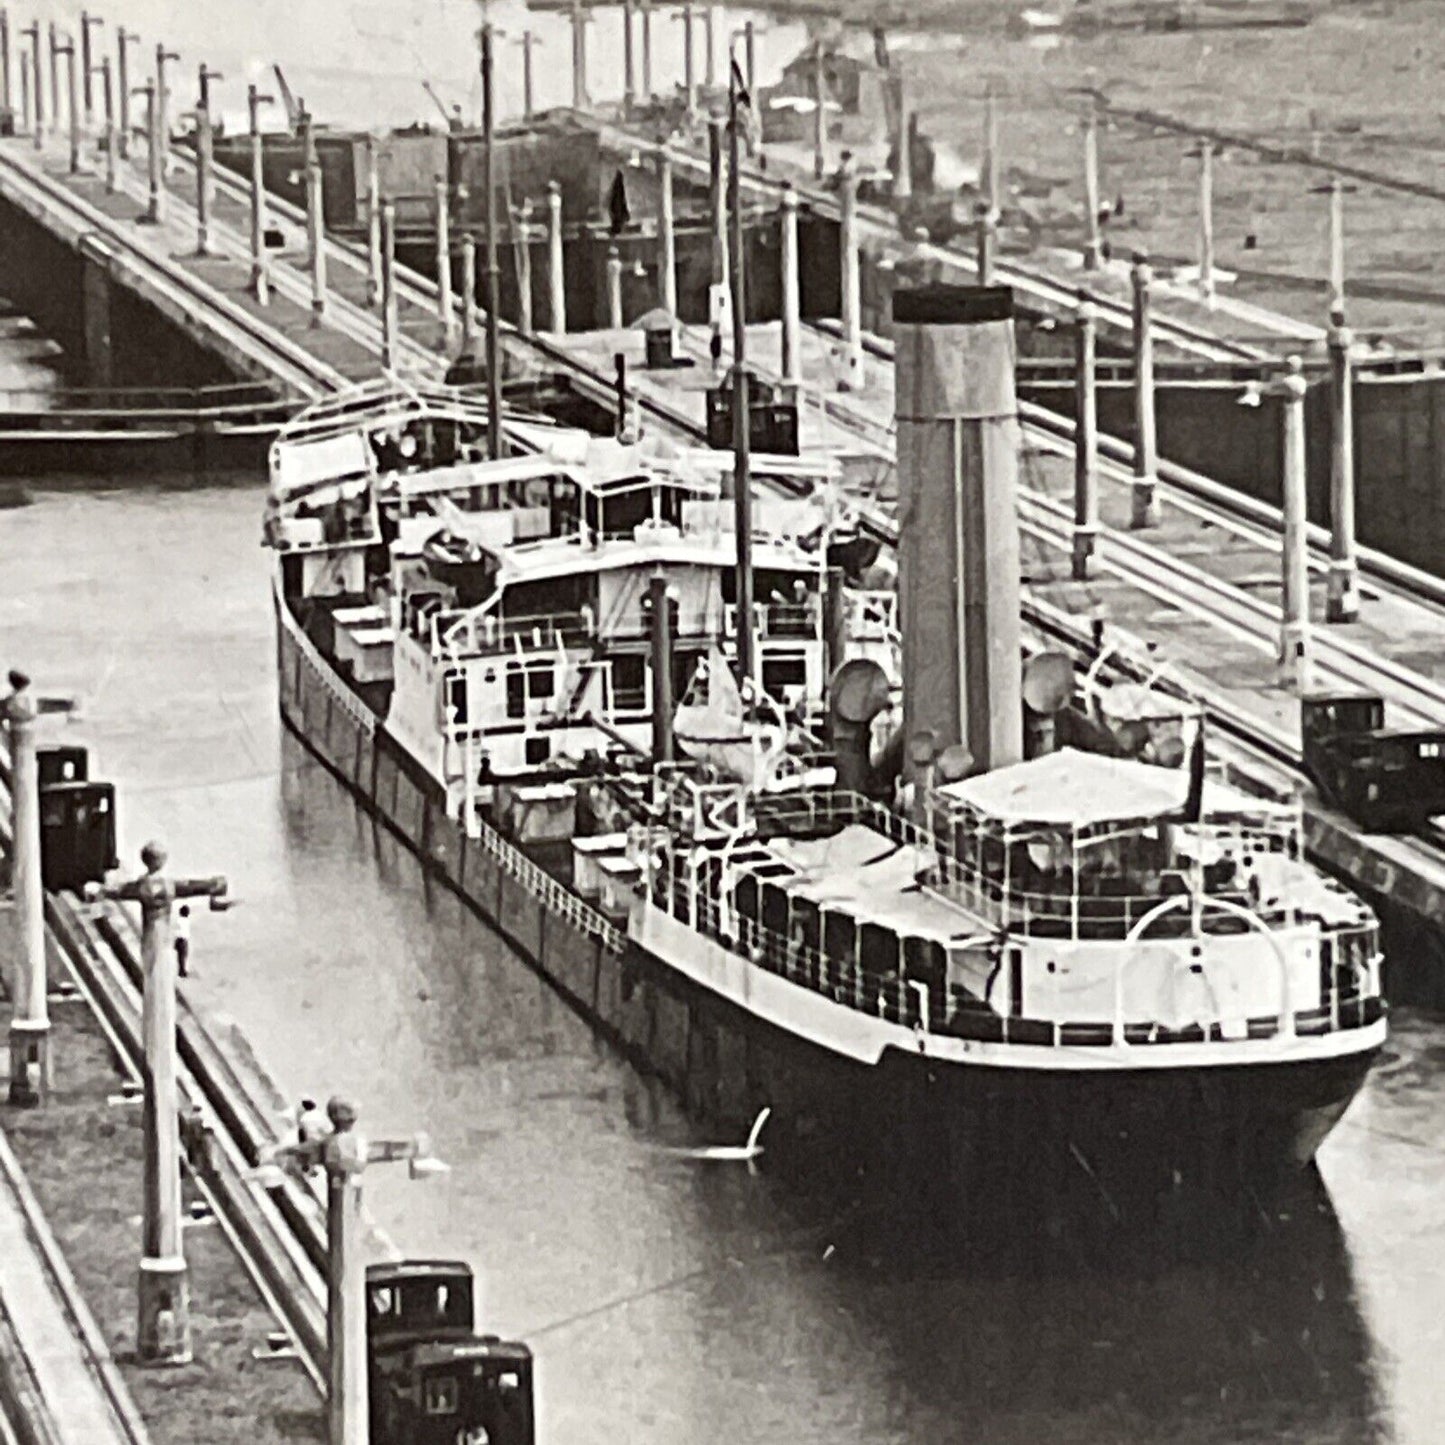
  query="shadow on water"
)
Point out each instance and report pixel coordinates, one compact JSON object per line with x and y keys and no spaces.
{"x":1217,"y":1320}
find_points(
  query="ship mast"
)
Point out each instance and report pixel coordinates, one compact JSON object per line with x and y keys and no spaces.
{"x":742,"y":480}
{"x":494,"y":364}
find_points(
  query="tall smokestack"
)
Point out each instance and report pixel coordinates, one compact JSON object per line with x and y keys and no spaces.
{"x":958,"y":549}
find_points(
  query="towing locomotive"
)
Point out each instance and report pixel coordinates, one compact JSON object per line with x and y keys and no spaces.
{"x":433,"y":1380}
{"x":1388,"y":780}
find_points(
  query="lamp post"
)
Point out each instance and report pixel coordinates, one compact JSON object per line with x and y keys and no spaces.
{"x":345,"y":1154}
{"x":689,"y":77}
{"x":123,"y":40}
{"x":32,"y":33}
{"x":162,"y":122}
{"x":72,"y":93}
{"x":205,"y":162}
{"x":1093,"y":245}
{"x":1205,"y":155}
{"x":154,"y":204}
{"x":30,"y":1023}
{"x":260,"y":287}
{"x":1143,"y":504}
{"x":388,"y":286}
{"x":163,"y":1333}
{"x":54,"y":42}
{"x":528,"y":42}
{"x":87,"y":23}
{"x":1086,"y":438}
{"x":1343,"y":595}
{"x":494,"y":356}
{"x":645,"y":16}
{"x":1295,"y":579}
{"x":445,"y":313}
{"x":107,"y":91}
{"x":742,"y":437}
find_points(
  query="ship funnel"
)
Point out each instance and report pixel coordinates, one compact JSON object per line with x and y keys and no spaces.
{"x":958,"y":548}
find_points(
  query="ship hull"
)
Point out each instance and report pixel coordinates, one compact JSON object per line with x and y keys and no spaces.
{"x":976,"y":1136}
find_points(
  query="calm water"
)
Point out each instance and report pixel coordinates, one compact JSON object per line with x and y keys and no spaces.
{"x":671,"y":1301}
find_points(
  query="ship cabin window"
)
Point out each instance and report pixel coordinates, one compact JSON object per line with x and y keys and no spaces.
{"x":441,"y":1394}
{"x":629,"y":682}
{"x":877,"y":950}
{"x":840,"y":936}
{"x":1042,"y":862}
{"x":528,"y":683}
{"x":549,"y":597}
{"x":684,"y":668}
{"x":775,"y":908}
{"x":925,"y":959}
{"x":804,"y":926}
{"x":785,"y":675}
{"x":745,"y":897}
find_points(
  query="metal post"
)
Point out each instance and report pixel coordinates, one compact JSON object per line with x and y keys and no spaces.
{"x":820,"y":114}
{"x":556,"y":275}
{"x":494,"y":349}
{"x":1206,"y":221}
{"x":27,"y":119}
{"x":645,"y":8}
{"x":112,"y":158}
{"x":1144,"y":505}
{"x":750,"y":52}
{"x":205,"y":160}
{"x":346,"y":1397}
{"x":903,"y":166}
{"x":7,"y":104}
{"x":662,"y":698}
{"x":163,"y":1335}
{"x":579,"y":56}
{"x":1094,"y":245}
{"x":154,"y":204}
{"x":72,"y":91}
{"x":792,"y":359}
{"x":388,"y":286}
{"x":991,"y":193}
{"x":373,"y":223}
{"x":717,"y":199}
{"x":742,"y":436}
{"x":32,"y":32}
{"x":1343,"y":596}
{"x":316,"y":241}
{"x":469,"y":294}
{"x":709,"y":42}
{"x":614,"y":289}
{"x":444,"y":262}
{"x":689,"y":78}
{"x":522,"y":249}
{"x":1295,"y":599}
{"x":1337,"y":245}
{"x":54,"y":79}
{"x":666,"y":238}
{"x":162,"y":111}
{"x":528,"y":105}
{"x":629,"y":69}
{"x":1086,"y":438}
{"x":123,"y":40}
{"x":852,"y":305}
{"x":30,"y":1023}
{"x":260,"y":281}
{"x":86,"y":64}
{"x":983,"y":243}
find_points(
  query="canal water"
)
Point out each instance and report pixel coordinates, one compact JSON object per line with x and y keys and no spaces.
{"x":671,"y":1300}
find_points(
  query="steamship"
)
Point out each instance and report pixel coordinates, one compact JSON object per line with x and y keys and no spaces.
{"x":1071,"y":966}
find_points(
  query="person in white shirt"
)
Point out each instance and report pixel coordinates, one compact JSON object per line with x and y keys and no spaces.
{"x":181,"y":937}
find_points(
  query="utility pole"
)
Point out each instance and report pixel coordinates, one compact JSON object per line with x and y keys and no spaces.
{"x":494,"y":349}
{"x":345,"y":1154}
{"x":163,"y":1336}
{"x":1144,"y":505}
{"x":1086,"y":438}
{"x":87,"y":66}
{"x":742,"y":438}
{"x":123,"y":40}
{"x":260,"y":282}
{"x":30,"y":1023}
{"x":1343,"y":594}
{"x":205,"y":158}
